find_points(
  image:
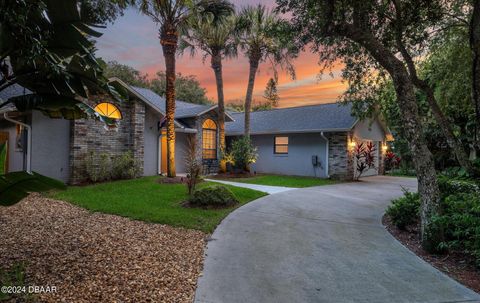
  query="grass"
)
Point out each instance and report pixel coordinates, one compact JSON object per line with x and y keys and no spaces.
{"x":147,"y":200}
{"x":287,"y":181}
{"x":16,"y":186}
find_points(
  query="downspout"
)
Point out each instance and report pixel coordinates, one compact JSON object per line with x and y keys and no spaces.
{"x":326,"y":154}
{"x":29,"y":140}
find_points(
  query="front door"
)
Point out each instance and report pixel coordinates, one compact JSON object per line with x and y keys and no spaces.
{"x":3,"y":153}
{"x":162,"y":153}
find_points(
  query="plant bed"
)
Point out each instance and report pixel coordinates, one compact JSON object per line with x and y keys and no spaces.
{"x":456,"y":264}
{"x":232,"y":175}
{"x":175,"y":180}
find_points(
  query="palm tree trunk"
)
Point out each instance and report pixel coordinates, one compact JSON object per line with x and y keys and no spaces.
{"x":254,"y":60}
{"x":168,"y":40}
{"x":216,"y":62}
{"x":475,"y":46}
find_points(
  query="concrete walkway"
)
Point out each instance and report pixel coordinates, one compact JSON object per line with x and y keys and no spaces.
{"x":320,"y":244}
{"x":265,"y":188}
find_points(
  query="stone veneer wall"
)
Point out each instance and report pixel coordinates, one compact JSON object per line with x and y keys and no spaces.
{"x":340,"y":157}
{"x":89,"y":135}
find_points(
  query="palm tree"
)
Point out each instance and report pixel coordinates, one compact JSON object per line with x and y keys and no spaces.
{"x":261,"y":39}
{"x":172,"y":16}
{"x":212,"y":30}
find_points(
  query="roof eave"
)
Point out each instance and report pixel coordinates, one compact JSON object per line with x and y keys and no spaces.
{"x":331,"y":130}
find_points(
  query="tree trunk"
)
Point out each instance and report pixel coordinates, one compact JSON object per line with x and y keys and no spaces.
{"x":216,"y":62}
{"x":254,"y":61}
{"x":475,"y":46}
{"x":422,"y":157}
{"x":168,"y":40}
{"x":453,"y":142}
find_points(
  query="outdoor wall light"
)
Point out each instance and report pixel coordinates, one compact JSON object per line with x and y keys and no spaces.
{"x":384,"y":147}
{"x":352,"y":144}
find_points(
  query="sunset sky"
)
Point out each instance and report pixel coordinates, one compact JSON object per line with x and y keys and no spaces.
{"x":133,"y":40}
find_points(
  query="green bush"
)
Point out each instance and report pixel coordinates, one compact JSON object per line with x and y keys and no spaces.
{"x":460,"y":222}
{"x":449,"y":186}
{"x":213,"y":196}
{"x":102,"y":167}
{"x":125,"y":166}
{"x":404,"y":211}
{"x":243,"y":153}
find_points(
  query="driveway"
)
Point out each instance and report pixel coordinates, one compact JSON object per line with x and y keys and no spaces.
{"x":320,"y":244}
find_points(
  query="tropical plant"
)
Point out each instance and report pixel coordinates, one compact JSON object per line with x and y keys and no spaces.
{"x":404,"y":211}
{"x":243,"y":153}
{"x":392,"y":161}
{"x":171,"y":15}
{"x":46,"y":47}
{"x":364,"y":155}
{"x":262,"y":37}
{"x":212,"y":30}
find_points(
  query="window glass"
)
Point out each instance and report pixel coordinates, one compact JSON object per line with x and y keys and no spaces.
{"x":108,"y":110}
{"x":209,"y":139}
{"x":281,"y":145}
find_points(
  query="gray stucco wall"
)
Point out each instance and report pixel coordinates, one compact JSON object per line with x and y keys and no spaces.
{"x":50,"y":146}
{"x":369,"y":131}
{"x":298,"y":161}
{"x":150,"y":160}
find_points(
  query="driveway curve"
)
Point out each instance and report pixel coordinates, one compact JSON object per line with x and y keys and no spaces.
{"x":320,"y":244}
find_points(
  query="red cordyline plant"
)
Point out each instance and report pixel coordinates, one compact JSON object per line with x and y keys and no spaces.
{"x":364,"y":154}
{"x":392,"y":160}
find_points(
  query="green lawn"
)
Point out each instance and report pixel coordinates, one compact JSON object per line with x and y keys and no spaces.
{"x":147,"y":200}
{"x":287,"y":181}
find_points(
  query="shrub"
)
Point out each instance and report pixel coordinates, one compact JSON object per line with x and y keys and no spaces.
{"x":103,"y":168}
{"x":460,"y":222}
{"x":449,"y":186}
{"x":125,"y":166}
{"x":243,"y":153}
{"x":98,"y":168}
{"x":213,"y":196}
{"x":404,"y":211}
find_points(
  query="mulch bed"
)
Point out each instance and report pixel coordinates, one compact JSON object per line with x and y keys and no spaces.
{"x":233,"y":175}
{"x":94,"y":257}
{"x":457,"y":265}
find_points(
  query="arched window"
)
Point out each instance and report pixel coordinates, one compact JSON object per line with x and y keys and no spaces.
{"x":209,"y":139}
{"x":108,"y":110}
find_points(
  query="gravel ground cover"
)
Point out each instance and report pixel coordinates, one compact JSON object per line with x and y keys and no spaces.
{"x":93,"y":257}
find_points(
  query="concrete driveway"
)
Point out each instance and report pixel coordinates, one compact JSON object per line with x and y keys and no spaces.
{"x":320,"y":244}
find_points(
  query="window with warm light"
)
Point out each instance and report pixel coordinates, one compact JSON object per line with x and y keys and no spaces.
{"x":281,"y":145}
{"x":108,"y":110}
{"x":209,"y":139}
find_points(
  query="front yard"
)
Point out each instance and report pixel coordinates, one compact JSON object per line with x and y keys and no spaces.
{"x":147,"y":200}
{"x":280,"y":180}
{"x":90,"y":250}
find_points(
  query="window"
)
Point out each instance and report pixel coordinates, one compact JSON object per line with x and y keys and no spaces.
{"x":281,"y":145}
{"x":108,"y":110}
{"x":209,"y":139}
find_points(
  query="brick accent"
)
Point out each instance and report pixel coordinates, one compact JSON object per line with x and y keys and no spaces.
{"x":89,"y":135}
{"x":340,"y":157}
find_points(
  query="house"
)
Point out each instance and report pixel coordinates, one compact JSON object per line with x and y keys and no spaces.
{"x":59,"y":148}
{"x":317,"y":140}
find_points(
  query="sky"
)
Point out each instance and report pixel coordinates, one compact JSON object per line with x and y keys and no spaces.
{"x":133,"y":40}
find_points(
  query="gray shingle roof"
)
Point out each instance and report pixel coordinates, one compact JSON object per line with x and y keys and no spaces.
{"x":182,"y":109}
{"x":322,"y":117}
